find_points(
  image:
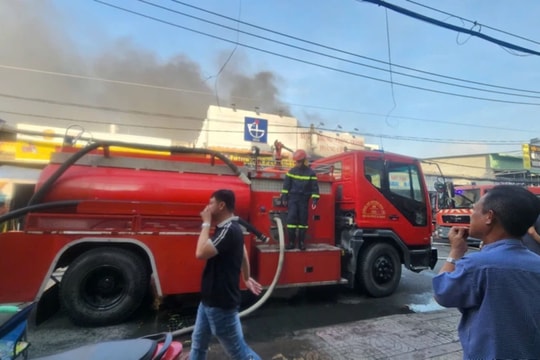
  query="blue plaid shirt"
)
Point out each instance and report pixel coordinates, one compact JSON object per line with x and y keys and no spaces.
{"x":497,"y":290}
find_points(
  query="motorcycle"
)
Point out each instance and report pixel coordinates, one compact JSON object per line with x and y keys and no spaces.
{"x":131,"y":349}
{"x":14,"y":344}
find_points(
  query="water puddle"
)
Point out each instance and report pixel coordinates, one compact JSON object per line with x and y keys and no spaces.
{"x":423,"y":308}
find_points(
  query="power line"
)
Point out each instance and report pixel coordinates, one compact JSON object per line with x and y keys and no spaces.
{"x":78,"y":76}
{"x":138,"y":112}
{"x":312,"y":63}
{"x":451,"y":27}
{"x":70,"y":119}
{"x":95,"y":107}
{"x":414,"y":118}
{"x":348,"y":52}
{"x":289,"y":132}
{"x":165,"y":88}
{"x":411,"y":138}
{"x":112,"y":81}
{"x":473,"y":22}
{"x":335,"y":57}
{"x":440,"y":140}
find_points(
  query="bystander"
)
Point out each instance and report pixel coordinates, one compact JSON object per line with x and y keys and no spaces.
{"x":495,"y":289}
{"x":226,"y":258}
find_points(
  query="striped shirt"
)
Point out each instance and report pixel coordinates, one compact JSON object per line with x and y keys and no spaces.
{"x":221,"y":277}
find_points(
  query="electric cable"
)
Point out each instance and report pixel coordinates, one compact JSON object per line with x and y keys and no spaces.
{"x":473,"y":22}
{"x":313,"y":63}
{"x":348,"y":53}
{"x":451,"y":27}
{"x":235,"y":97}
{"x":329,"y":56}
{"x":394,"y":137}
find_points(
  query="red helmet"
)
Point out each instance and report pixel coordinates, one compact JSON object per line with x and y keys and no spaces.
{"x":299,"y":155}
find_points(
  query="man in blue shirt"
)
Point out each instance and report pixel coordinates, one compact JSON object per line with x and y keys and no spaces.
{"x":496,"y":289}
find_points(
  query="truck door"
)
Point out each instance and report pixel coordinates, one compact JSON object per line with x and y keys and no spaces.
{"x":404,"y":207}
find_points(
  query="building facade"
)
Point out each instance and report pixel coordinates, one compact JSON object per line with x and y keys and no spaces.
{"x":230,"y":129}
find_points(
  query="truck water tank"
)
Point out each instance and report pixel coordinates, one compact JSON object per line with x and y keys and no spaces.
{"x":81,"y":182}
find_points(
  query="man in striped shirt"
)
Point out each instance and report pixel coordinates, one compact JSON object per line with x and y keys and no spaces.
{"x":226,"y":258}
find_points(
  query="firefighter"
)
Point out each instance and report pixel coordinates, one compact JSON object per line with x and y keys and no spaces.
{"x":299,"y":186}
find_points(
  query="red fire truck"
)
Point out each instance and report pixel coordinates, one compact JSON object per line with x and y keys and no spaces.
{"x":123,"y":223}
{"x":455,"y":203}
{"x":455,"y":209}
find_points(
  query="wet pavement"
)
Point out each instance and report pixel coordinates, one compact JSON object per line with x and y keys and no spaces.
{"x":431,"y":335}
{"x":327,"y":323}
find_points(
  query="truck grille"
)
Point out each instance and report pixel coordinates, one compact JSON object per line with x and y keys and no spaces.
{"x":456,"y":219}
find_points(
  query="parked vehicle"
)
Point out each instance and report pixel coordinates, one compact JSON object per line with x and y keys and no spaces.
{"x":164,"y":348}
{"x":123,"y":223}
{"x":454,"y":206}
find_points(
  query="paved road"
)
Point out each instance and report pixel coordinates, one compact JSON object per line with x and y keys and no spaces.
{"x":287,"y":312}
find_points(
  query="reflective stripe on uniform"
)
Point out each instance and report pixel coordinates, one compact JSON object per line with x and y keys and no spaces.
{"x":300,"y":177}
{"x":291,"y":226}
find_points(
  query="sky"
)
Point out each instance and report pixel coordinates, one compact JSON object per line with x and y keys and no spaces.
{"x":152,"y":67}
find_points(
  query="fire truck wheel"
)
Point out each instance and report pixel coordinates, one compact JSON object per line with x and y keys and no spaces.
{"x":379,"y":270}
{"x":103,"y":286}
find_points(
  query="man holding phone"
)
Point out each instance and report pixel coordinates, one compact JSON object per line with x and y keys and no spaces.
{"x":226,"y":258}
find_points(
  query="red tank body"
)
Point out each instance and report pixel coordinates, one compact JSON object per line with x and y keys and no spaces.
{"x":151,"y":178}
{"x":119,"y":184}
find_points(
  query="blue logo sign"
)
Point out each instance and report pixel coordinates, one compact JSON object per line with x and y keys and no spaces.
{"x":255,"y":130}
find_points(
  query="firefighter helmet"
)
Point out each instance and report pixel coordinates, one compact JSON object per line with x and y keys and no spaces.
{"x":299,"y":155}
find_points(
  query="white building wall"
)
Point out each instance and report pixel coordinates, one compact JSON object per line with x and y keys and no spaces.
{"x":224,"y":128}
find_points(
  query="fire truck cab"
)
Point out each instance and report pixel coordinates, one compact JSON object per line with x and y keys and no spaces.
{"x":455,"y":209}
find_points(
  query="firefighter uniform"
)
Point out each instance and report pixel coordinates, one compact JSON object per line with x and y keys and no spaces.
{"x":299,"y":186}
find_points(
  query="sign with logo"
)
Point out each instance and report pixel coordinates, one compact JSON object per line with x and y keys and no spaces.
{"x":531,"y":156}
{"x":255,"y":130}
{"x":535,"y":156}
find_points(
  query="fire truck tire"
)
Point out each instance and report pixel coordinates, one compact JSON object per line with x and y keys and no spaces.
{"x":379,"y":270}
{"x":104,"y":286}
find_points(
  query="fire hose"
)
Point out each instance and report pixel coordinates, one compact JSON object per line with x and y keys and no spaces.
{"x":270,"y":289}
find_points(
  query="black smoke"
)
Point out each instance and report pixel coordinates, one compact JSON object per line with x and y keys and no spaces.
{"x":34,"y":36}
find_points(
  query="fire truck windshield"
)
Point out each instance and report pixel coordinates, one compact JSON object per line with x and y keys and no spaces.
{"x":465,"y":198}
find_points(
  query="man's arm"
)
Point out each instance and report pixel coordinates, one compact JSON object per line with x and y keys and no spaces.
{"x":534,"y":234}
{"x":458,"y":247}
{"x":245,"y":266}
{"x":205,"y":249}
{"x":251,"y":284}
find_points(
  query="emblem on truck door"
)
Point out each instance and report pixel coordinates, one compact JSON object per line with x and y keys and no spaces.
{"x":373,"y":209}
